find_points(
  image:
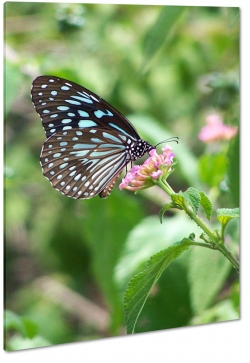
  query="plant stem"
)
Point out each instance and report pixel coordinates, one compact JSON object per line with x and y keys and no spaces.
{"x":223,"y":249}
{"x":228,"y":254}
{"x":216,"y":242}
{"x":200,"y":223}
{"x":165,"y":186}
{"x":201,"y":244}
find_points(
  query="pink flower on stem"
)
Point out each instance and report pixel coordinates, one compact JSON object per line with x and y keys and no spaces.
{"x":216,"y":130}
{"x":157,"y":166}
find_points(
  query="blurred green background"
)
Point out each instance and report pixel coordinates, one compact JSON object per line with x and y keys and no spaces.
{"x":68,"y":262}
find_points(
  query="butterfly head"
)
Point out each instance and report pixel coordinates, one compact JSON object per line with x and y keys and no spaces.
{"x":141,"y":147}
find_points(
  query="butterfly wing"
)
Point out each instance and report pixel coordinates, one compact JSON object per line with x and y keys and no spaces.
{"x":63,"y":105}
{"x":83,"y":163}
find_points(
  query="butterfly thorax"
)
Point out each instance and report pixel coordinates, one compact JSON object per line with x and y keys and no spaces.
{"x":137,"y":149}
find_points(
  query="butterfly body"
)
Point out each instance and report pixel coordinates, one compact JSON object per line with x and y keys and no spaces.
{"x":88,"y":141}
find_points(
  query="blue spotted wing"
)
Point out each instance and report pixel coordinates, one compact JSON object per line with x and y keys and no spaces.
{"x":88,"y":141}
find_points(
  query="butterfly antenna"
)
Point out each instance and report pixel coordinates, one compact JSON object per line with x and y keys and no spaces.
{"x":171,"y":139}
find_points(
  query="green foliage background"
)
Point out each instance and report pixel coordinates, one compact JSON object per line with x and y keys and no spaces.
{"x":166,"y":68}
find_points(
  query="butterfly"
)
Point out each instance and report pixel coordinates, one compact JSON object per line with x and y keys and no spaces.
{"x":88,"y":143}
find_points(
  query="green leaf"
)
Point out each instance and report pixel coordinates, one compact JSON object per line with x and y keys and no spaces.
{"x":225,"y":215}
{"x":14,"y":322}
{"x":148,"y":238}
{"x":19,"y":343}
{"x":140,"y":285}
{"x":177,"y":198}
{"x":106,"y":246}
{"x":164,"y":209}
{"x":206,"y":205}
{"x":31,"y":327}
{"x":191,"y":195}
{"x":212,"y":169}
{"x":13,"y":81}
{"x":194,"y":198}
{"x":223,"y":311}
{"x":207,"y":274}
{"x":26,"y":327}
{"x":159,"y":33}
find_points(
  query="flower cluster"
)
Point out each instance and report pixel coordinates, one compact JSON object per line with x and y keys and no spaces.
{"x":157,"y":166}
{"x":216,"y":130}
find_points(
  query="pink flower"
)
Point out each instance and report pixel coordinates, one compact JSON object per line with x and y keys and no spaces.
{"x":216,"y":130}
{"x":156,"y":174}
{"x":155,"y":167}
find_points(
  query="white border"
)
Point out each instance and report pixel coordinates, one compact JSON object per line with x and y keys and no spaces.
{"x":223,"y":342}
